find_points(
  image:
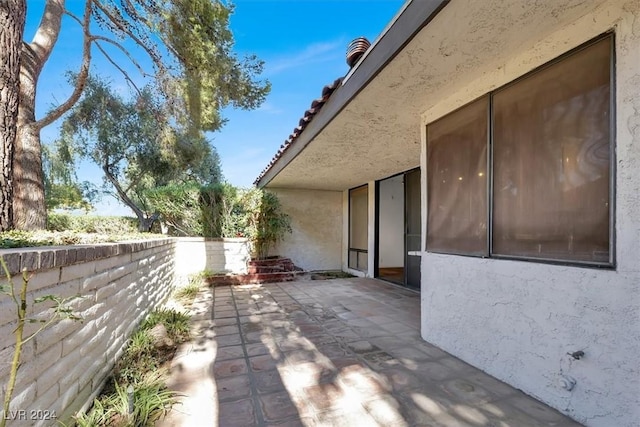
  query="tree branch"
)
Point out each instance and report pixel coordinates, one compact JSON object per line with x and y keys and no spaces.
{"x":121,"y":194}
{"x":153,"y":55}
{"x":48,"y":30}
{"x":125,"y":51}
{"x":81,"y":80}
{"x":124,"y":73}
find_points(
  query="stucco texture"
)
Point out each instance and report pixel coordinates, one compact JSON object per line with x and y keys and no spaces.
{"x":316,"y":220}
{"x":377,"y":135}
{"x":518,"y":320}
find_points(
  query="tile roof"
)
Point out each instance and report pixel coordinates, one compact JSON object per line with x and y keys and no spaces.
{"x":316,"y":105}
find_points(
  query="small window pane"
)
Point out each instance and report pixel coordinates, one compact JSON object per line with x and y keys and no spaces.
{"x":363,"y":261}
{"x":551,"y":160}
{"x":353,"y":260}
{"x":358,"y":226}
{"x":457,"y":181}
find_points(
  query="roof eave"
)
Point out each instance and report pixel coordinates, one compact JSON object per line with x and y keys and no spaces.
{"x":414,"y":16}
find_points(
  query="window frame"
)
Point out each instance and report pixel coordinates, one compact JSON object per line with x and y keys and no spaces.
{"x":611,"y":263}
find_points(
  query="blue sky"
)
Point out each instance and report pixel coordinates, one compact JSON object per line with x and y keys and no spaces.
{"x":303,"y":44}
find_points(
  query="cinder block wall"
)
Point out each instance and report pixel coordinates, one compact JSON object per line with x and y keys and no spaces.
{"x":65,"y":366}
{"x":196,"y":254}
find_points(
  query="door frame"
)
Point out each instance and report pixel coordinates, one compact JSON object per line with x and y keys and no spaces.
{"x":376,"y":261}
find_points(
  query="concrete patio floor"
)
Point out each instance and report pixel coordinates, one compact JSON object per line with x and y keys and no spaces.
{"x":343,"y":352}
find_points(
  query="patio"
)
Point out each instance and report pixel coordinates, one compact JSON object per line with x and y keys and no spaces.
{"x":342,"y":352}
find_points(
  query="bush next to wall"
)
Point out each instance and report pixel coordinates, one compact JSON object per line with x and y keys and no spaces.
{"x":92,"y":224}
{"x":222,"y":210}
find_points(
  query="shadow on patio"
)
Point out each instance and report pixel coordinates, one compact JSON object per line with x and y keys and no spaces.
{"x":343,"y":352}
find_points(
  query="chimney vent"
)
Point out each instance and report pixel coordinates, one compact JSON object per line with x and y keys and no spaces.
{"x":356,"y":49}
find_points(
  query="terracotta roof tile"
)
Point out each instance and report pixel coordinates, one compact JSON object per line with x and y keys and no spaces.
{"x":308,"y":115}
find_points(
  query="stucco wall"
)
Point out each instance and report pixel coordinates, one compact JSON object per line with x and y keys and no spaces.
{"x":65,"y":365}
{"x":316,"y":220}
{"x":195,"y":254}
{"x":518,"y":320}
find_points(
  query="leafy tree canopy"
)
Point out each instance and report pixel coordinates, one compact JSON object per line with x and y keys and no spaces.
{"x":137,"y":145}
{"x":191,"y":47}
{"x":62,"y":188}
{"x":194,"y":71}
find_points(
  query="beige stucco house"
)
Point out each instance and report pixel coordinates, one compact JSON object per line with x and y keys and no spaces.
{"x":487,"y":154}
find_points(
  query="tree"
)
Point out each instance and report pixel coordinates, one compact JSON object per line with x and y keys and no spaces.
{"x":61,"y":186}
{"x":137,"y":145}
{"x":189,"y":44}
{"x":12,"y":19}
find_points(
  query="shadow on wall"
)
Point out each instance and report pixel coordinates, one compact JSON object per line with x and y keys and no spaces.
{"x":195,"y":255}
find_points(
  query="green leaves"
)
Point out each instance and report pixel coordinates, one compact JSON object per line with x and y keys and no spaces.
{"x":60,"y":309}
{"x":212,"y":77}
{"x":137,"y":144}
{"x":191,"y":47}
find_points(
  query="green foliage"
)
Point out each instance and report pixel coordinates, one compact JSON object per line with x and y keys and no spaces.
{"x":138,"y":147}
{"x":151,"y":402}
{"x":192,"y":67}
{"x":140,"y":367}
{"x":198,"y":32}
{"x":178,"y":207}
{"x":252,"y":213}
{"x":177,"y":323}
{"x":21,"y":239}
{"x":188,"y":292}
{"x":58,"y":310}
{"x":65,"y":196}
{"x":61,"y":186}
{"x":189,"y":209}
{"x":222,"y":210}
{"x":24,"y":239}
{"x":141,"y":355}
{"x":266,"y":222}
{"x":91,"y":224}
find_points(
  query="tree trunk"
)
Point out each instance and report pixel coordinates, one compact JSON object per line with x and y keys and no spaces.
{"x":29,"y":210}
{"x":12,"y":19}
{"x":144,"y":222}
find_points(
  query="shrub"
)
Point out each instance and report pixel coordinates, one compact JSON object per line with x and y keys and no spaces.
{"x":178,"y":207}
{"x":92,"y":224}
{"x":266,"y":222}
{"x":222,"y":210}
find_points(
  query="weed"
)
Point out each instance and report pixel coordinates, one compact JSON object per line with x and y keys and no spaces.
{"x":188,"y":293}
{"x":331,"y":274}
{"x":176,"y":323}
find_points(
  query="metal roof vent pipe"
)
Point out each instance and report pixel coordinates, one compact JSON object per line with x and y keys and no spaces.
{"x":356,"y":49}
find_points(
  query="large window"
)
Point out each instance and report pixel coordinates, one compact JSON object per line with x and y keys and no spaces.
{"x":551,"y":150}
{"x":359,"y":228}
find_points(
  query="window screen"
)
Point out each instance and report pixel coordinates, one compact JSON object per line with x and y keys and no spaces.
{"x":457,"y":181}
{"x":551,"y":145}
